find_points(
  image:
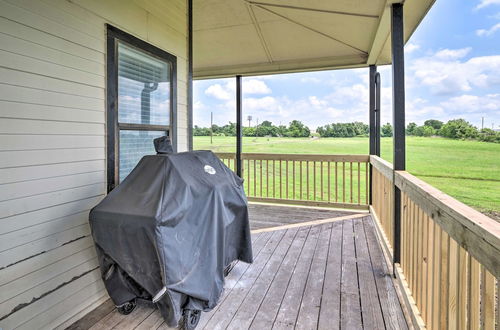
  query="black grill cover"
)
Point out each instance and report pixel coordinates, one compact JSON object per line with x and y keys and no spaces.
{"x":169,"y":230}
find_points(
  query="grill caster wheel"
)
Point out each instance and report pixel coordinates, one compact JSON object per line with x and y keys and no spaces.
{"x":127,"y":307}
{"x":190,"y":319}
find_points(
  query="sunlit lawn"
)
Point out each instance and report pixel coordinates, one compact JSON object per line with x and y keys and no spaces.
{"x":467,"y":170}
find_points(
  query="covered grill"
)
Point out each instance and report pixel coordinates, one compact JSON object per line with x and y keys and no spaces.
{"x":168,"y":232}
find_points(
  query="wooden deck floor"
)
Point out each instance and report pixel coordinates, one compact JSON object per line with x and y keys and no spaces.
{"x":327,"y":276}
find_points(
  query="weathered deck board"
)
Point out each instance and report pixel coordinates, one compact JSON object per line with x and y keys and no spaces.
{"x":350,"y":309}
{"x":246,"y":311}
{"x":370,"y":304}
{"x":262,"y":215}
{"x":329,"y":315}
{"x":327,"y":276}
{"x":290,"y":305}
{"x":270,"y":305}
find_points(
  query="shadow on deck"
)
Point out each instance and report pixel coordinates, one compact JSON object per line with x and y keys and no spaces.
{"x":325,"y":274}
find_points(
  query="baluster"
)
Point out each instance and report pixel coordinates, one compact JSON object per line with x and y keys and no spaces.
{"x":274,"y":179}
{"x":255,"y":177}
{"x":300,"y":179}
{"x":350,"y":180}
{"x":336,"y":183}
{"x":307,"y":179}
{"x":321,"y":179}
{"x":343,"y":182}
{"x":260,"y":169}
{"x":359,"y":184}
{"x":281,"y":183}
{"x":286,"y":178}
{"x":267,"y":177}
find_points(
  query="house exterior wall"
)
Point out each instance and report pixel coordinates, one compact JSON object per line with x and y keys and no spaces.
{"x":52,"y":145}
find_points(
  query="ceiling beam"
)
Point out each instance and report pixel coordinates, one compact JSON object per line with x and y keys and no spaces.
{"x":312,"y":9}
{"x":288,"y":66}
{"x":381,"y":35}
{"x":310,"y":28}
{"x":259,"y":33}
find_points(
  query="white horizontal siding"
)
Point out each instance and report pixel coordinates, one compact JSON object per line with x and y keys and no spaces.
{"x":52,"y":145}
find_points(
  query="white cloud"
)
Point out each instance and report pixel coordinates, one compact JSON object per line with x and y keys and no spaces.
{"x":446,"y":73}
{"x":228,"y":90}
{"x":486,"y":3}
{"x":489,"y":32}
{"x":410,"y":48}
{"x":473,"y":104}
{"x":452,"y":54}
{"x":255,"y":86}
{"x":219,"y":92}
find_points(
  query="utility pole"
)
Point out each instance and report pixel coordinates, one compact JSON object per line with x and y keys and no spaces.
{"x":482,"y":123}
{"x":211,"y":127}
{"x":249,"y":118}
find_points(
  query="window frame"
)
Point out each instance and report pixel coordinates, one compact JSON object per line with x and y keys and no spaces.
{"x":113,"y":127}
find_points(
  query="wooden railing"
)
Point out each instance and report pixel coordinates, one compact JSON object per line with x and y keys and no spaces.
{"x":382,"y":196}
{"x":320,"y":180}
{"x":450,"y":253}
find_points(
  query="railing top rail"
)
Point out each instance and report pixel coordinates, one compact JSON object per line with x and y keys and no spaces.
{"x":298,"y":157}
{"x":382,"y":166}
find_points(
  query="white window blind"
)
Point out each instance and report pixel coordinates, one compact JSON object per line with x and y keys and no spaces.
{"x":143,"y":104}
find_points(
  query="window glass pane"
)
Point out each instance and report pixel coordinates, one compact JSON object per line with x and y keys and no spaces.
{"x":143,"y":88}
{"x":134,"y":145}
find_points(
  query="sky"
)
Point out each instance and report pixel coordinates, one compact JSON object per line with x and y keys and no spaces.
{"x":452,"y":70}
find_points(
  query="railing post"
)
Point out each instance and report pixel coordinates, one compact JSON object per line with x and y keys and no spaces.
{"x":398,"y":96}
{"x":239,"y":127}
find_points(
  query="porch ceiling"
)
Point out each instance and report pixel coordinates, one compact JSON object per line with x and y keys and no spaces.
{"x":250,"y":37}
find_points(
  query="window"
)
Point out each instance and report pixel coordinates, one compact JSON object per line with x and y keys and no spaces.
{"x":141,"y":101}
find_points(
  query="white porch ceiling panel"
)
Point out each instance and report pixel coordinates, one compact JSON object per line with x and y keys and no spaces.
{"x":250,"y":37}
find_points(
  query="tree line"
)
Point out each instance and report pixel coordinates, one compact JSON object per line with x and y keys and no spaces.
{"x":294,"y":129}
{"x":453,"y":129}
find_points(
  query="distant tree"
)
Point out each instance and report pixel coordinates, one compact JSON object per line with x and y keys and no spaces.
{"x":248,"y":131}
{"x":387,"y":130}
{"x":282,"y":130}
{"x":434,"y":123}
{"x":201,"y":131}
{"x":297,"y":129}
{"x":410,"y":129}
{"x":343,"y":130}
{"x":489,"y":135}
{"x":458,"y":129}
{"x":424,"y":131}
{"x":266,"y":128}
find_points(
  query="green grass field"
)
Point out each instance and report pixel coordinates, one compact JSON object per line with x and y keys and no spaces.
{"x":466,"y":170}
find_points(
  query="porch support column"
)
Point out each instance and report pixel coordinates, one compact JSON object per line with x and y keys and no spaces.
{"x":398,"y":113}
{"x":239,"y":126}
{"x":378,"y":86}
{"x":372,"y":109}
{"x":372,"y":121}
